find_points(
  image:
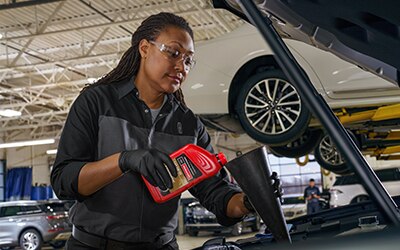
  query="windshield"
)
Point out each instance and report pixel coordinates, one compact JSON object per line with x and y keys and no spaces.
{"x":293,"y":200}
{"x":54,"y":207}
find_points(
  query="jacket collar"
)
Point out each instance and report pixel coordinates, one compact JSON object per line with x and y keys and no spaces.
{"x":126,"y":86}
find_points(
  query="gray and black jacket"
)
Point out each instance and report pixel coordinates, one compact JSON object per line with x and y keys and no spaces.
{"x":107,"y":119}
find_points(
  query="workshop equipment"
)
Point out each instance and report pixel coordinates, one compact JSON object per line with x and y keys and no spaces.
{"x":251,"y":171}
{"x":193,"y":164}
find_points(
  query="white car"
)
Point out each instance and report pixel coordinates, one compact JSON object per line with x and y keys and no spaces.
{"x":294,"y":206}
{"x":237,"y":86}
{"x":347,"y":189}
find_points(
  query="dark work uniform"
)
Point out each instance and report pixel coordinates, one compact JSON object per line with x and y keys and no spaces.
{"x":313,"y":204}
{"x":107,"y":119}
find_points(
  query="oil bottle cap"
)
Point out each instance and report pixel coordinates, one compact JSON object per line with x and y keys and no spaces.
{"x":221,"y":159}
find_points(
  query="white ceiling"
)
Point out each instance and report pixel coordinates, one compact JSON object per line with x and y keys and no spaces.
{"x":50,"y":49}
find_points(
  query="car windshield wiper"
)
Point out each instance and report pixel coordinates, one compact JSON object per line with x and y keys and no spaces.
{"x":322,"y":111}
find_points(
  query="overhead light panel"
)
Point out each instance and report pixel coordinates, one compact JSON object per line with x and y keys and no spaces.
{"x":26,"y":143}
{"x":51,"y":151}
{"x":92,"y":80}
{"x":9,"y":113}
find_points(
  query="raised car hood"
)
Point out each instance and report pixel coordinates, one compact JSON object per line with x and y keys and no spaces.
{"x":363,"y":32}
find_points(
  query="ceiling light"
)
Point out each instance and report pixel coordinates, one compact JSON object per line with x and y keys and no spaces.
{"x":197,"y":86}
{"x":92,"y":79}
{"x":51,"y":151}
{"x":26,"y":143}
{"x":1,"y":35}
{"x":9,"y":113}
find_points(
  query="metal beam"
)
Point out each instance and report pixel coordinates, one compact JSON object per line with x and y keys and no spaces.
{"x":41,"y":30}
{"x":96,"y":26}
{"x":16,"y":4}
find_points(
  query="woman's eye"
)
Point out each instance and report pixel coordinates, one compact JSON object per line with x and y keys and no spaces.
{"x":174,"y":53}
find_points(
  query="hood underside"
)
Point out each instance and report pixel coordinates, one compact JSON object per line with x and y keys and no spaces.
{"x":363,"y":32}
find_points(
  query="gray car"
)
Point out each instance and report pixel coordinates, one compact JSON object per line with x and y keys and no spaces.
{"x":30,"y":224}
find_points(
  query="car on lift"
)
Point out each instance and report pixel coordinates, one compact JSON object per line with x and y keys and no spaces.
{"x":248,"y":92}
{"x":30,"y":224}
{"x":198,"y":218}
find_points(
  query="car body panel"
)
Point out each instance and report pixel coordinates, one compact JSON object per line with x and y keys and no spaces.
{"x":342,"y":84}
{"x":363,"y":32}
{"x":345,"y":193}
{"x":12,"y":226}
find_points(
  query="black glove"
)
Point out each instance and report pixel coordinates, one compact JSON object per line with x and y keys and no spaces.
{"x":150,"y":164}
{"x":277,"y":186}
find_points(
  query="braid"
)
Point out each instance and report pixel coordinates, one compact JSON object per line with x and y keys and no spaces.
{"x":179,"y":96}
{"x":149,"y":29}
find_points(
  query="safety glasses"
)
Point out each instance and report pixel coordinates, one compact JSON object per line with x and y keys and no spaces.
{"x":174,"y":55}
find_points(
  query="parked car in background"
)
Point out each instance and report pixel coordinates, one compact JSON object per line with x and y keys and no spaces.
{"x":294,"y":206}
{"x":347,"y":189}
{"x":200,"y":219}
{"x":248,"y":92}
{"x":30,"y":224}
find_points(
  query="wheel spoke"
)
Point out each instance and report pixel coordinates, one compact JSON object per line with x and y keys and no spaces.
{"x":288,"y":103}
{"x":280,"y":121}
{"x":266,"y":122}
{"x":286,"y":116}
{"x":255,"y":106}
{"x":267,"y":88}
{"x":260,"y":119}
{"x":258,"y":99}
{"x":275,"y":89}
{"x":288,"y":95}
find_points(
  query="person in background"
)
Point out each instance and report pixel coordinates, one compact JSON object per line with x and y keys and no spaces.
{"x":312,"y":195}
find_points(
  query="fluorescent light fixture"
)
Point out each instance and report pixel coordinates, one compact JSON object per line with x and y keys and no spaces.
{"x":9,"y":113}
{"x":197,"y":86}
{"x":92,"y":79}
{"x":51,"y":151}
{"x":1,"y":35}
{"x":26,"y":143}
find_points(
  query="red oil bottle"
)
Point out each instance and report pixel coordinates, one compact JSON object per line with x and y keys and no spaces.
{"x":193,"y":165}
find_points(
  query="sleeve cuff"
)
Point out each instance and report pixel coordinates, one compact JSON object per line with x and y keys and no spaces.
{"x":73,"y":169}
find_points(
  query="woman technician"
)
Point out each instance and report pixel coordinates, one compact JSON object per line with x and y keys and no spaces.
{"x":124,"y":126}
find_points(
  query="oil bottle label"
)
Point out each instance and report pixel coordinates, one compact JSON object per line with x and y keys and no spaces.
{"x":187,"y":172}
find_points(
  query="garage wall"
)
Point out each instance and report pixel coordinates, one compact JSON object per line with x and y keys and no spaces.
{"x":34,"y":157}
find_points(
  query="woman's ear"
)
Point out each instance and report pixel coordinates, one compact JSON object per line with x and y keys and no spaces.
{"x":144,"y":48}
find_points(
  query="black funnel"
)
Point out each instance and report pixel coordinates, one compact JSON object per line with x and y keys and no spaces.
{"x":252,"y":173}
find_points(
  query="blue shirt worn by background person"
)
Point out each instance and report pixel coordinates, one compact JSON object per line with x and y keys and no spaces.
{"x":310,"y":191}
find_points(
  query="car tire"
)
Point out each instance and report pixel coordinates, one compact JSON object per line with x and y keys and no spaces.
{"x":193,"y":232}
{"x":237,"y":229}
{"x":359,"y":199}
{"x":304,"y":145}
{"x":30,"y":239}
{"x":329,"y":158}
{"x":271,"y":110}
{"x":57,"y":244}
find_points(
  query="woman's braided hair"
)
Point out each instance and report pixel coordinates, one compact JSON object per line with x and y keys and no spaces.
{"x":149,"y":29}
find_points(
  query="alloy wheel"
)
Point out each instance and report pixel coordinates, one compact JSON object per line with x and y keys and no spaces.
{"x":272,"y":106}
{"x":30,"y":241}
{"x":329,"y":153}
